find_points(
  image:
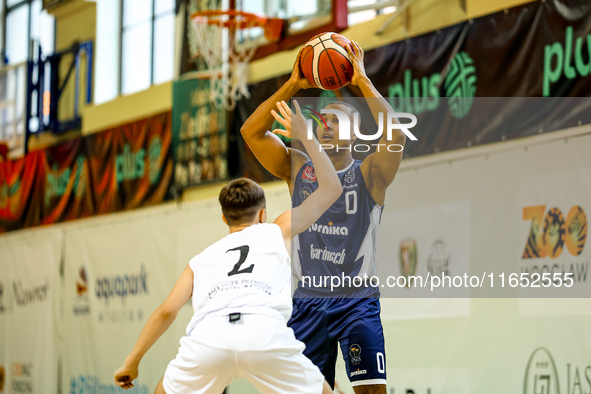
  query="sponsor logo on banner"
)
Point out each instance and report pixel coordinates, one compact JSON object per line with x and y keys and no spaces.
{"x":555,"y":243}
{"x":81,"y":282}
{"x":91,"y":384}
{"x":408,"y":257}
{"x":81,"y":304}
{"x":22,"y":378}
{"x":56,"y":180}
{"x":109,"y":289}
{"x":558,"y":60}
{"x":544,"y":375}
{"x":355,"y":353}
{"x":122,"y":286}
{"x":541,"y":375}
{"x":25,"y":296}
{"x":438,"y":259}
{"x":422,"y":95}
{"x":131,"y":165}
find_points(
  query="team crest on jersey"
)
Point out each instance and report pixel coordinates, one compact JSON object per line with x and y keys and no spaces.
{"x":355,"y":353}
{"x":305,"y":192}
{"x":350,"y":176}
{"x":309,"y":175}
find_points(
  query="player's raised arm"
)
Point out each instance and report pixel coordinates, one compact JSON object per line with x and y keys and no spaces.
{"x":329,"y":186}
{"x":269,"y":150}
{"x":156,"y":325}
{"x":379,"y":168}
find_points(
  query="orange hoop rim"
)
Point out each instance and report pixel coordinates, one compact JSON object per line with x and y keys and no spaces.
{"x":247,"y":19}
{"x":273,"y":27}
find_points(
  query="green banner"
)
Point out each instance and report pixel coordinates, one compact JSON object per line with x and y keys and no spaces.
{"x":199,"y":135}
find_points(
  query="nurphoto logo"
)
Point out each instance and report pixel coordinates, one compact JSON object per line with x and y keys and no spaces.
{"x":386,"y":121}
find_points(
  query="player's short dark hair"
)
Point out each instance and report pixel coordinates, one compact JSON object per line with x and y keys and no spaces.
{"x":241,"y":199}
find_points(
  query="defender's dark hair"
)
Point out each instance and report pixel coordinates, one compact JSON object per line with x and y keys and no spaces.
{"x":241,"y":199}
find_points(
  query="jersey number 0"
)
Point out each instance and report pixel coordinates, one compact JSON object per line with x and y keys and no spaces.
{"x":243,"y":253}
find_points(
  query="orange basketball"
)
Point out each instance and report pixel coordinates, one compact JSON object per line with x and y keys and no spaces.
{"x":325,"y":61}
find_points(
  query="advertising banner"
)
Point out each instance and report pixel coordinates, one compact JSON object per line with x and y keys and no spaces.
{"x":131,"y":166}
{"x":123,"y":168}
{"x":29,"y":299}
{"x":199,"y":135}
{"x":116,"y":274}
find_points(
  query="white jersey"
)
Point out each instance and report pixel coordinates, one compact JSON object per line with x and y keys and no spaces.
{"x":247,"y":271}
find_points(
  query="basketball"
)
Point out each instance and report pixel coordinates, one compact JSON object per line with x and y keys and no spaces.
{"x":325,"y":61}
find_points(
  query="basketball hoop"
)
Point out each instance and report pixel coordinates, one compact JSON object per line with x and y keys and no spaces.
{"x":227,"y":40}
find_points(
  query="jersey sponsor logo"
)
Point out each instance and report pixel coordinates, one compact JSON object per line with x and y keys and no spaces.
{"x":350,"y":176}
{"x":305,"y":193}
{"x":240,"y":284}
{"x":327,"y":255}
{"x":309,"y":175}
{"x":355,"y":353}
{"x":329,"y":229}
{"x":358,"y":372}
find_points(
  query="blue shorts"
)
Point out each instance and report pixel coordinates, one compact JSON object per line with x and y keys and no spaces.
{"x":354,"y":323}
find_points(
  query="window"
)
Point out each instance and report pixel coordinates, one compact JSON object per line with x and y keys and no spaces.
{"x":366,"y":10}
{"x":26,"y":23}
{"x":26,"y":30}
{"x":147,"y":43}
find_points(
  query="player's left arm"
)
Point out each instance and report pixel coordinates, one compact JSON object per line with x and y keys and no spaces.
{"x":156,"y":325}
{"x":379,"y":168}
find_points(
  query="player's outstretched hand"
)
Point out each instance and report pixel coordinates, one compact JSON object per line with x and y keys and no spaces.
{"x":125,"y":375}
{"x":297,"y":77}
{"x":295,"y":124}
{"x":356,"y":53}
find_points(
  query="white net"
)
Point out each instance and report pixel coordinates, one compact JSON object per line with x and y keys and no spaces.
{"x":226,"y":43}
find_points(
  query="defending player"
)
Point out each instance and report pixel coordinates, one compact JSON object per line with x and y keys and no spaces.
{"x":241,"y":289}
{"x":353,"y":317}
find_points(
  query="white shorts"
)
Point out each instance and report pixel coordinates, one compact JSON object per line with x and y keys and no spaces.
{"x":259,"y":348}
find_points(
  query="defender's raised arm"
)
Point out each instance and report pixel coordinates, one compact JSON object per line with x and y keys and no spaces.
{"x":329,"y":185}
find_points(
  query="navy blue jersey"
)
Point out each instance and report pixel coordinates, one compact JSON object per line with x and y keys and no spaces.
{"x":342,"y":242}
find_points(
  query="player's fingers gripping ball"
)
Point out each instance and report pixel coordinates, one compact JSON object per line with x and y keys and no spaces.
{"x":325,"y":61}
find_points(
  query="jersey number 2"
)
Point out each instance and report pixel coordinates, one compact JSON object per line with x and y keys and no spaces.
{"x":243,"y":253}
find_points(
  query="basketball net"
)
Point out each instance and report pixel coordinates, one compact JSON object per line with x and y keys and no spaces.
{"x":224,"y":40}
